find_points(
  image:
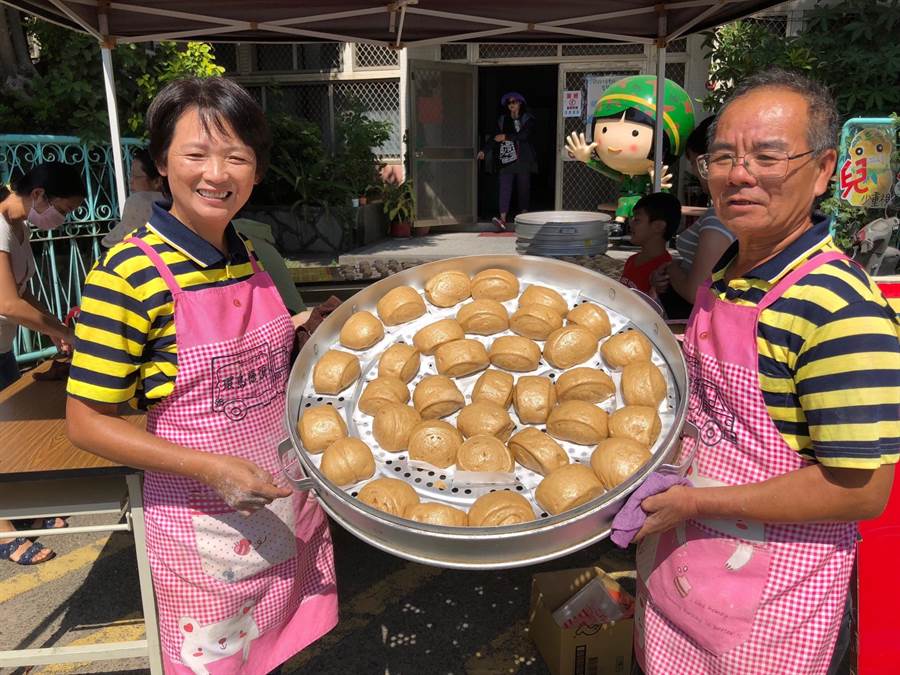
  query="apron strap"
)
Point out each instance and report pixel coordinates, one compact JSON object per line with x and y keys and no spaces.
{"x":793,"y":277}
{"x":157,"y":261}
{"x":252,"y":258}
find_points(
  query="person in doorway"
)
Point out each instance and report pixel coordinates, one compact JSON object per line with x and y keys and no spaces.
{"x":145,"y":186}
{"x":42,"y":198}
{"x":512,"y":155}
{"x":655,"y":220}
{"x":181,"y":319}
{"x":700,"y":245}
{"x":795,"y":378}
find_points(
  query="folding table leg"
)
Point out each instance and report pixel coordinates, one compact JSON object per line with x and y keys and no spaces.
{"x":148,"y":598}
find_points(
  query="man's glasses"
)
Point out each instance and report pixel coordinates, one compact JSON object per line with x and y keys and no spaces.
{"x":763,"y":164}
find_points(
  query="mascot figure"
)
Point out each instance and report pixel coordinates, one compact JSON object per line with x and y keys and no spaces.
{"x":623,"y":130}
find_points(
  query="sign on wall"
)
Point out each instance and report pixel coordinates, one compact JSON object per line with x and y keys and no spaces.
{"x":572,"y":103}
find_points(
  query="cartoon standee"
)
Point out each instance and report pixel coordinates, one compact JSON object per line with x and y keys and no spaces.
{"x":865,"y":175}
{"x":622,"y":147}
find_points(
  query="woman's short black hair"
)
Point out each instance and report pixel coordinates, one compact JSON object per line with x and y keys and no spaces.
{"x":220,"y":103}
{"x":57,"y":179}
{"x":142,"y":157}
{"x":698,"y":141}
{"x":639,"y":117}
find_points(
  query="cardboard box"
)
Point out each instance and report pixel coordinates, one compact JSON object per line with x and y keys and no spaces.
{"x":604,"y":649}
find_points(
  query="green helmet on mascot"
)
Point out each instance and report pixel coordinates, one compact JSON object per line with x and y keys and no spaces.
{"x":627,"y":111}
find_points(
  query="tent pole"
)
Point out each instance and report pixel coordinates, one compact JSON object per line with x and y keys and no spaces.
{"x":404,"y":93}
{"x":660,"y":102}
{"x":109,"y":84}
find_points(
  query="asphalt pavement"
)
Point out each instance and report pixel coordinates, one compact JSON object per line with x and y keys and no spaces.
{"x":397,"y":617}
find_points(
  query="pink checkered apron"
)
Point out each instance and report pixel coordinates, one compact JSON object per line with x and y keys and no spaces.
{"x":739,"y":597}
{"x":235,"y":594}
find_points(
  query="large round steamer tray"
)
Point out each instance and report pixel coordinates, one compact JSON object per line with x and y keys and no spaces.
{"x":547,"y":537}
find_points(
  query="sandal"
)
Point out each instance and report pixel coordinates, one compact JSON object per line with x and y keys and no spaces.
{"x":500,"y":223}
{"x":27,"y":558}
{"x":42,"y":523}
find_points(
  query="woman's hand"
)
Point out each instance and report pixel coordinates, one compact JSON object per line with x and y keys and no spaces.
{"x":500,"y":138}
{"x":659,"y":279}
{"x":666,"y":509}
{"x":578,"y":147}
{"x":243,"y":485}
{"x":64,"y":341}
{"x":480,"y":155}
{"x":301,"y":318}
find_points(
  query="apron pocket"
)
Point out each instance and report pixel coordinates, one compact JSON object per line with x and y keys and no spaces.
{"x":709,"y":586}
{"x":233,"y":547}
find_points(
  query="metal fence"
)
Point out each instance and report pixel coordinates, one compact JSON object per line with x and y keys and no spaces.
{"x":322,"y":102}
{"x":64,"y":256}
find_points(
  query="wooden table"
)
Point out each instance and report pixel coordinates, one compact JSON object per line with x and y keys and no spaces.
{"x":42,"y":475}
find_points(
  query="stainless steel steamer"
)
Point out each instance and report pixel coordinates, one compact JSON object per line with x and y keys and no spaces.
{"x":497,"y":547}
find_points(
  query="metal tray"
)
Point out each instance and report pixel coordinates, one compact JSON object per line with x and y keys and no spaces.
{"x":545,"y":538}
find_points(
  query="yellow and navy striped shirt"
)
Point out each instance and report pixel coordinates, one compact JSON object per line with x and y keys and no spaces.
{"x":125,"y":346}
{"x":829,"y":354}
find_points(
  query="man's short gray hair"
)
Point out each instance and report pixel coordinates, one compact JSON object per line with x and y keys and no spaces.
{"x":822,"y":132}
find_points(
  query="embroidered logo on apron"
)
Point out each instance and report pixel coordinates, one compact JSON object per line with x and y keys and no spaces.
{"x":248,"y":380}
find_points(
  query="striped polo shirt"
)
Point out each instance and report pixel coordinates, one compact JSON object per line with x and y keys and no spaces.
{"x":125,"y":349}
{"x":829,"y":354}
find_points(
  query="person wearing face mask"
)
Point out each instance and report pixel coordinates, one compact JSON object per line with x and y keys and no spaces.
{"x":145,"y":187}
{"x":41,"y":198}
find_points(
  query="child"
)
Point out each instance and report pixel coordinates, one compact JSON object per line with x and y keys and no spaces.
{"x":655,"y":220}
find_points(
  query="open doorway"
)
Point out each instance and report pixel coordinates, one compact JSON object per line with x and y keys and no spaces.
{"x":538,"y":84}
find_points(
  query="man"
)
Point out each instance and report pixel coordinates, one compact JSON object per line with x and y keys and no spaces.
{"x":795,"y":390}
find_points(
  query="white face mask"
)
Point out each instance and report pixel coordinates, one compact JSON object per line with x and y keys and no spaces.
{"x":50,"y":219}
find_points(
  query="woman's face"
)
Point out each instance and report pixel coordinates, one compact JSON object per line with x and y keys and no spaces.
{"x":514,"y":106}
{"x":140,"y":181}
{"x":211,"y":174}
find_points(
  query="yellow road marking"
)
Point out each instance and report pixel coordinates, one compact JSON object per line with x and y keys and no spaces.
{"x":130,"y":627}
{"x":506,"y":653}
{"x":366,"y":606}
{"x":28,"y":578}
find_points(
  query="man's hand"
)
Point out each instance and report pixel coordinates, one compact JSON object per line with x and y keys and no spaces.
{"x":666,"y":181}
{"x":666,"y":509}
{"x":301,"y":318}
{"x":578,"y":147}
{"x":243,"y":485}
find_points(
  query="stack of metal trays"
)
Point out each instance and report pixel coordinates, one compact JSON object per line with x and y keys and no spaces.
{"x":556,"y":234}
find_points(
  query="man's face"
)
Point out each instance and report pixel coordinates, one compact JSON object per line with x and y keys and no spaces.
{"x":772,"y":119}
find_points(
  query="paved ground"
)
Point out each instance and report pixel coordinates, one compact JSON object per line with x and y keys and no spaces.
{"x":396,"y":617}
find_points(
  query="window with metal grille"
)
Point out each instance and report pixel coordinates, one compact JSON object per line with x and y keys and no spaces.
{"x":675,"y":72}
{"x":603,"y":49}
{"x":679,"y":45}
{"x":375,"y":56}
{"x":514,"y":51}
{"x":226,"y":56}
{"x":285,"y":58}
{"x":583,"y":189}
{"x":454,"y":52}
{"x":775,"y":24}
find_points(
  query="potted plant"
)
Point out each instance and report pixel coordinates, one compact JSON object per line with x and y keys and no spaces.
{"x":399,"y":206}
{"x":356,"y":136}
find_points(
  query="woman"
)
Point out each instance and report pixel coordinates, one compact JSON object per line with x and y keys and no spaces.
{"x":145,"y":187}
{"x":513,"y":151}
{"x":180,"y":319}
{"x":699,"y":246}
{"x":42,"y":198}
